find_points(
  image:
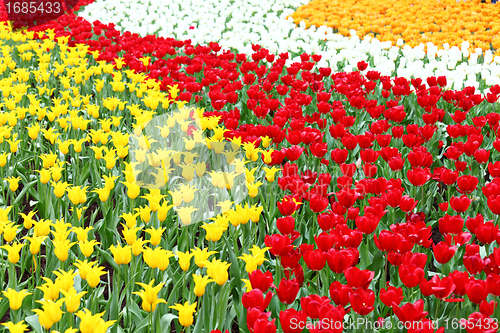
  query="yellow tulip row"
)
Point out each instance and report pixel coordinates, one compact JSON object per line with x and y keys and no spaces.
{"x":60,"y":129}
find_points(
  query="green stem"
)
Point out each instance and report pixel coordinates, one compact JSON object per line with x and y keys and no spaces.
{"x":438,"y":303}
{"x":12,"y":276}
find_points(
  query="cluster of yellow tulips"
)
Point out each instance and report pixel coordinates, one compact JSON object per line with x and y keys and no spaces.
{"x":82,"y":227}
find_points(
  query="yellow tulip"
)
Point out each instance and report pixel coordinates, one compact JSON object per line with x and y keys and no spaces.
{"x":15,"y":297}
{"x":62,"y":249}
{"x":59,"y":188}
{"x":121,"y":255}
{"x":44,"y":175}
{"x":217,"y":270}
{"x":35,"y":243}
{"x":184,"y":259}
{"x":19,"y":327}
{"x":72,"y":299}
{"x":87,"y":247}
{"x":130,"y":235}
{"x":81,"y":233}
{"x":93,"y":323}
{"x":9,"y":232}
{"x":200,"y":256}
{"x":13,"y":183}
{"x":13,"y":251}
{"x":150,"y":295}
{"x":184,"y":214}
{"x":186,"y":312}
{"x":200,"y":283}
{"x":155,"y":235}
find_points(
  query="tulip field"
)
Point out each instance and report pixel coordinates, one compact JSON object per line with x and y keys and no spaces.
{"x":249,"y":166}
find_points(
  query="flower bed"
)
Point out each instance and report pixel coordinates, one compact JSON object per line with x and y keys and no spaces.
{"x":345,"y":200}
{"x":272,"y":26}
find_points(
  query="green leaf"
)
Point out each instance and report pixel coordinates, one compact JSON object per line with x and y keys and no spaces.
{"x":35,"y":324}
{"x":165,"y":321}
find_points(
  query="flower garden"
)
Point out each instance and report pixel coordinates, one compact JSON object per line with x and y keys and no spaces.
{"x":251,"y":166}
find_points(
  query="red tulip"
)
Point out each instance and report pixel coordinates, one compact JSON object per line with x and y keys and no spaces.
{"x":312,"y":304}
{"x":339,"y":261}
{"x":286,"y":225}
{"x":461,"y":279}
{"x":494,"y":204}
{"x":324,"y":241}
{"x":255,"y":299}
{"x":467,"y":184}
{"x":287,"y":206}
{"x":396,"y":163}
{"x":494,"y":169}
{"x":451,"y":224}
{"x":407,"y":203}
{"x":486,"y":232}
{"x":367,"y":223}
{"x":370,"y":170}
{"x":443,"y":252}
{"x":293,"y":321}
{"x":291,"y":259}
{"x":369,"y":155}
{"x":362,"y":301}
{"x":443,"y":206}
{"x":387,"y":241}
{"x":293,"y":153}
{"x":339,"y":293}
{"x":254,"y":315}
{"x":410,"y":275}
{"x":357,"y":278}
{"x":347,"y":197}
{"x":263,"y":325}
{"x":473,"y":263}
{"x":325,"y":221}
{"x":287,"y":290}
{"x":279,"y":244}
{"x":348,"y":169}
{"x":410,"y":312}
{"x":473,"y":222}
{"x":391,"y":296}
{"x":493,"y":281}
{"x":477,"y":290}
{"x":318,"y":203}
{"x":260,"y":280}
{"x":441,"y":288}
{"x":482,"y":155}
{"x":362,"y":65}
{"x":477,"y":323}
{"x":460,"y":204}
{"x":496,"y":254}
{"x":449,"y":177}
{"x":315,"y":260}
{"x":487,"y":308}
{"x":352,"y":213}
{"x":332,"y":318}
{"x":418,"y":176}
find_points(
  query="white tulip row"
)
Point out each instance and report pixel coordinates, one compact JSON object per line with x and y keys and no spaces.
{"x":238,"y":24}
